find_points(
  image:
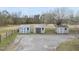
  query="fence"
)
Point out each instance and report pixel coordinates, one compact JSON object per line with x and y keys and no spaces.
{"x":6,"y":34}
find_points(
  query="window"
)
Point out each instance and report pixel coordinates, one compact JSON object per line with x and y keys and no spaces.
{"x":65,"y":28}
{"x":42,"y":28}
{"x":27,"y":28}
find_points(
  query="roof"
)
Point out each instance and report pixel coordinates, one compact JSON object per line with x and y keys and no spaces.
{"x":25,"y":25}
{"x":40,"y":25}
{"x":63,"y":25}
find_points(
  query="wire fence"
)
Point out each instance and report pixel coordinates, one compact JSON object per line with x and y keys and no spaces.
{"x":6,"y":34}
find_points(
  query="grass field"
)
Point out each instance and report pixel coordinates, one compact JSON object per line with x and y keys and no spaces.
{"x":69,"y":46}
{"x":10,"y":38}
{"x":7,"y":28}
{"x":7,"y":41}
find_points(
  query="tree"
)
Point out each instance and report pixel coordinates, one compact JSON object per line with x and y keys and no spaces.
{"x":36,"y":19}
{"x":60,"y":15}
{"x":47,"y":18}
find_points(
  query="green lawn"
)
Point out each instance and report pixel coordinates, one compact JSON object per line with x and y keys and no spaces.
{"x":7,"y":41}
{"x":69,"y":46}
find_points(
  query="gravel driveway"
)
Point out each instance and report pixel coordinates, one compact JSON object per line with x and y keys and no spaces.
{"x":38,"y":42}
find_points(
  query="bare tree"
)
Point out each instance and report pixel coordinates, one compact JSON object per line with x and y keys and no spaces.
{"x":60,"y":15}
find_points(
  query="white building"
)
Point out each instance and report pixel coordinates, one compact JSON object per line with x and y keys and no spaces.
{"x":62,"y":29}
{"x":24,"y":29}
{"x":39,"y":28}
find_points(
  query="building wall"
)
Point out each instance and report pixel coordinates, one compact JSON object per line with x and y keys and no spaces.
{"x":24,"y":30}
{"x":62,"y":30}
{"x":42,"y":31}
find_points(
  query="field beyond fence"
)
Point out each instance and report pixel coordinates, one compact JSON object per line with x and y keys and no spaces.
{"x":6,"y":34}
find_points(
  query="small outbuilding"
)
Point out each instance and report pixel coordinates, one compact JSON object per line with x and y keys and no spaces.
{"x":62,"y":29}
{"x":24,"y":29}
{"x":39,"y":28}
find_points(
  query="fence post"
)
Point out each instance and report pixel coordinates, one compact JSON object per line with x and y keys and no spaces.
{"x":6,"y":34}
{"x":0,"y":38}
{"x":11,"y":32}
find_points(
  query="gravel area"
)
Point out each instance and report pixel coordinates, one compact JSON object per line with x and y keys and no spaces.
{"x":38,"y":42}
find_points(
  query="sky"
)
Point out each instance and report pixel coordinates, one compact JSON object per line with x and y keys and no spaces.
{"x":30,"y":10}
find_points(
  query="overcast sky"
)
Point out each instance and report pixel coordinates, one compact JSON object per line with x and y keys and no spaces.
{"x":30,"y":10}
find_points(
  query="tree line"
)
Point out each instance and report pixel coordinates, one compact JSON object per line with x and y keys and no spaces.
{"x":56,"y":16}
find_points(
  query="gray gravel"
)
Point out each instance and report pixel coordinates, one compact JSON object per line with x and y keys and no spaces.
{"x":39,"y":42}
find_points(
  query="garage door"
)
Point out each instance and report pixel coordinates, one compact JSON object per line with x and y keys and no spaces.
{"x":38,"y":30}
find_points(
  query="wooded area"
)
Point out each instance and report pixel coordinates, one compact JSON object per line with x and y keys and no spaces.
{"x":58,"y":15}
